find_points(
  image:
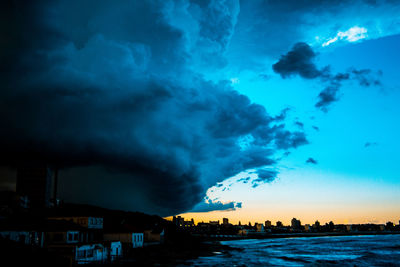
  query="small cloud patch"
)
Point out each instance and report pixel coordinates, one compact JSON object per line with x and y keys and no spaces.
{"x":311,"y":161}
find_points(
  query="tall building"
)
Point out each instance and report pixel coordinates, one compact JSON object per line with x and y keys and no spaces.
{"x":267,"y":223}
{"x":279,"y":224}
{"x":296,"y":224}
{"x":35,"y":182}
{"x":225,"y":221}
{"x":178,"y":221}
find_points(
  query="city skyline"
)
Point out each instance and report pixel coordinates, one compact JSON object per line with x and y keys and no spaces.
{"x":274,"y":222}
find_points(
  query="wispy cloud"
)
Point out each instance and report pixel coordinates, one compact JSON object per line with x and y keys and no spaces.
{"x":351,"y":35}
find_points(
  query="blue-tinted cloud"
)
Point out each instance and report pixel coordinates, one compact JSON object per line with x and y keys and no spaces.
{"x":264,"y":176}
{"x":113,"y":93}
{"x":311,"y":161}
{"x":210,"y":205}
{"x":300,"y":61}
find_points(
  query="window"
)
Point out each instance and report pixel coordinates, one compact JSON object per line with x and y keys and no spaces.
{"x":73,"y":236}
{"x":70,"y":237}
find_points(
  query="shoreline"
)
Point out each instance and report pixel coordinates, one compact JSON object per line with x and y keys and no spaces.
{"x":293,"y":235}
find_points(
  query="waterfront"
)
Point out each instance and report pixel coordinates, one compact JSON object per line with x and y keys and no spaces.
{"x":369,"y":250}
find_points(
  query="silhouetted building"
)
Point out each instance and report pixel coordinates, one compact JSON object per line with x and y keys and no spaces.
{"x":331,"y":226}
{"x":188,"y":223}
{"x":317,"y":224}
{"x":35,"y":182}
{"x":178,"y":221}
{"x":267,"y":224}
{"x":225,"y":221}
{"x":259,"y":227}
{"x":389,"y":225}
{"x":279,"y":224}
{"x":296,"y":224}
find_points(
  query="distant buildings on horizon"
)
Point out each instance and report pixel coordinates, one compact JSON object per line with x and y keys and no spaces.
{"x":294,"y":225}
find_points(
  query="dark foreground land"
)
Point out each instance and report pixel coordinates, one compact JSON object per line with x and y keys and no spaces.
{"x":14,"y":254}
{"x":178,"y":252}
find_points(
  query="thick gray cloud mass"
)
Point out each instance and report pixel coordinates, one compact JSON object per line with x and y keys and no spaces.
{"x":109,"y":92}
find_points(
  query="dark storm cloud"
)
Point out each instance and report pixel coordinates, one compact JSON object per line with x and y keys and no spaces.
{"x":109,"y":93}
{"x":261,"y":21}
{"x":311,"y":161}
{"x":300,"y":61}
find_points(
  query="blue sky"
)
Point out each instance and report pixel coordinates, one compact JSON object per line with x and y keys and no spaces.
{"x":355,"y":143}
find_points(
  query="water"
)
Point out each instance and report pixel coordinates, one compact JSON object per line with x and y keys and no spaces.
{"x":379,"y":250}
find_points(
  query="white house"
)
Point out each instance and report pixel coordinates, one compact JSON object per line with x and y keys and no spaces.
{"x":133,"y":240}
{"x":90,"y":253}
{"x":81,"y":253}
{"x":114,"y":249}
